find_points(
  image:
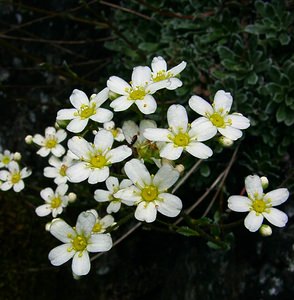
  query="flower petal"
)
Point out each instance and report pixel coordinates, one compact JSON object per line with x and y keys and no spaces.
{"x":38,"y":139}
{"x":169,"y":205}
{"x":101,"y":97}
{"x":119,"y":153}
{"x":178,"y":68}
{"x":253,"y":186}
{"x":5,"y":186}
{"x":99,"y":243}
{"x":103,"y":140}
{"x":113,"y":207}
{"x":121,"y":103}
{"x":78,"y":172}
{"x":230,"y":132}
{"x":157,"y":134}
{"x":60,"y":255}
{"x":43,"y":210}
{"x":165,"y":177}
{"x":177,"y":118}
{"x":222,"y":101}
{"x":129,"y":196}
{"x":18,"y":186}
{"x":277,"y":196}
{"x":170,"y":151}
{"x":146,"y":212}
{"x":79,"y":146}
{"x":77,"y":125}
{"x":58,"y":150}
{"x":138,"y":173}
{"x":141,"y":76}
{"x":238,"y":121}
{"x":158,"y":64}
{"x":43,"y":151}
{"x":85,"y":222}
{"x":200,"y":106}
{"x":62,"y":231}
{"x":118,"y":85}
{"x":81,"y":263}
{"x":253,"y":221}
{"x":47,"y":194}
{"x":66,"y":114}
{"x":239,"y":203}
{"x":130,"y":130}
{"x":147,"y":105}
{"x":102,"y":115}
{"x":199,"y":150}
{"x":202,"y":131}
{"x":98,"y":175}
{"x":112,"y":183}
{"x":78,"y":98}
{"x":102,"y":195}
{"x":276,"y":217}
{"x":174,"y":83}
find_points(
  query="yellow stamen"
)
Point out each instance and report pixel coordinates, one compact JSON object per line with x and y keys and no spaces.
{"x":137,"y":94}
{"x":181,"y":139}
{"x":217,"y":120}
{"x":149,"y":193}
{"x":79,"y":243}
{"x":98,"y":161}
{"x":15,"y":178}
{"x":56,"y":202}
{"x":51,"y":143}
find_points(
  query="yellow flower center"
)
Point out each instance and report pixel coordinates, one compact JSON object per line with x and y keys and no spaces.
{"x":98,"y":161}
{"x":79,"y":243}
{"x":182,"y":139}
{"x":5,"y":160}
{"x":161,"y":75}
{"x":87,"y":111}
{"x":114,"y":132}
{"x":55,"y":202}
{"x":62,"y":170}
{"x":259,"y":206}
{"x":137,"y":94}
{"x":97,"y":227}
{"x":15,"y":178}
{"x":149,"y":193}
{"x":217,"y":120}
{"x":51,"y":143}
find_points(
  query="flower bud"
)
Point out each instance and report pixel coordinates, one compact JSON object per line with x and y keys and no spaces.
{"x":180,"y":168}
{"x":264,"y":182}
{"x":56,"y":125}
{"x":94,"y":131}
{"x":112,"y":95}
{"x":226,"y":142}
{"x":265,"y":230}
{"x":93,"y":96}
{"x":17,"y":156}
{"x":72,"y":197}
{"x":29,"y":139}
{"x":47,"y":226}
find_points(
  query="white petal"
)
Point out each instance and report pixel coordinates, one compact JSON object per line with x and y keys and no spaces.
{"x":129,"y":196}
{"x":38,"y":139}
{"x":102,"y":115}
{"x":130,"y":129}
{"x":113,"y":207}
{"x":43,"y":151}
{"x":276,"y":217}
{"x":239,"y":203}
{"x":112,"y":183}
{"x":60,"y":254}
{"x":77,"y":125}
{"x":125,"y":183}
{"x":253,"y":186}
{"x":174,"y":83}
{"x":137,"y":172}
{"x":119,"y":154}
{"x":170,"y":205}
{"x":178,"y":69}
{"x":101,"y":97}
{"x":141,"y":76}
{"x":85,"y":222}
{"x":253,"y":221}
{"x":203,"y":131}
{"x":158,"y":64}
{"x":25,"y":172}
{"x":5,"y":186}
{"x":199,"y":150}
{"x":277,"y":196}
{"x":99,"y":243}
{"x":50,"y":172}
{"x":199,"y":121}
{"x":147,"y":106}
{"x":230,"y":132}
{"x":118,"y":85}
{"x":18,"y":186}
{"x":144,"y":124}
{"x":155,"y":86}
{"x":43,"y":210}
{"x":177,"y":118}
{"x":78,"y":98}
{"x":102,"y":195}
{"x":79,"y":146}
{"x":62,"y":231}
{"x":146,"y":212}
{"x":98,"y":175}
{"x":200,"y":106}
{"x":170,"y":151}
{"x":61,"y":135}
{"x":66,"y":114}
{"x":13,"y":167}
{"x":4,"y":174}
{"x":121,"y":103}
{"x":103,"y":140}
{"x":47,"y":194}
{"x":222,"y":101}
{"x":78,"y":172}
{"x":54,"y":161}
{"x":81,"y":263}
{"x":165,"y":177}
{"x":157,"y":134}
{"x":61,"y":189}
{"x":58,"y":150}
{"x":50,"y":131}
{"x":237,"y":121}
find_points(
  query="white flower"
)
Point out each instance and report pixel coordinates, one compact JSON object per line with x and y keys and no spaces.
{"x":5,"y":158}
{"x":50,"y":143}
{"x":260,"y":205}
{"x":54,"y":201}
{"x":58,"y":169}
{"x":13,"y":177}
{"x":84,"y":110}
{"x":78,"y":242}
{"x":160,"y":72}
{"x":217,"y":114}
{"x":113,"y":187}
{"x":94,"y":159}
{"x":149,"y":192}
{"x":180,"y":136}
{"x":116,"y":132}
{"x":139,"y":92}
{"x":101,"y":224}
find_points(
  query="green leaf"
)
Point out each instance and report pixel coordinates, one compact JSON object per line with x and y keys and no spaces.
{"x":213,"y":245}
{"x":281,"y":113}
{"x":205,"y":170}
{"x":284,"y":38}
{"x":187,"y":231}
{"x":252,"y":78}
{"x":225,"y":52}
{"x":148,"y":47}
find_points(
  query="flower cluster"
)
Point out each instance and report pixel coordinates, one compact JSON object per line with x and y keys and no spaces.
{"x":136,"y":161}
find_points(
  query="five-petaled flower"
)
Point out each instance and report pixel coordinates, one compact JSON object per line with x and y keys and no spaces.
{"x":160,"y":72}
{"x":78,"y":242}
{"x":139,"y":91}
{"x":101,"y":224}
{"x":149,"y":192}
{"x":13,"y":177}
{"x":5,"y":158}
{"x":180,"y":136}
{"x":94,"y":159}
{"x":51,"y":142}
{"x":55,"y":201}
{"x":84,"y":110}
{"x":217,"y":114}
{"x":260,"y":205}
{"x":113,"y":187}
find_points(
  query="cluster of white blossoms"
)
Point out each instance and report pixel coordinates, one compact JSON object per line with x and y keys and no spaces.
{"x":11,"y":174}
{"x":136,"y":162}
